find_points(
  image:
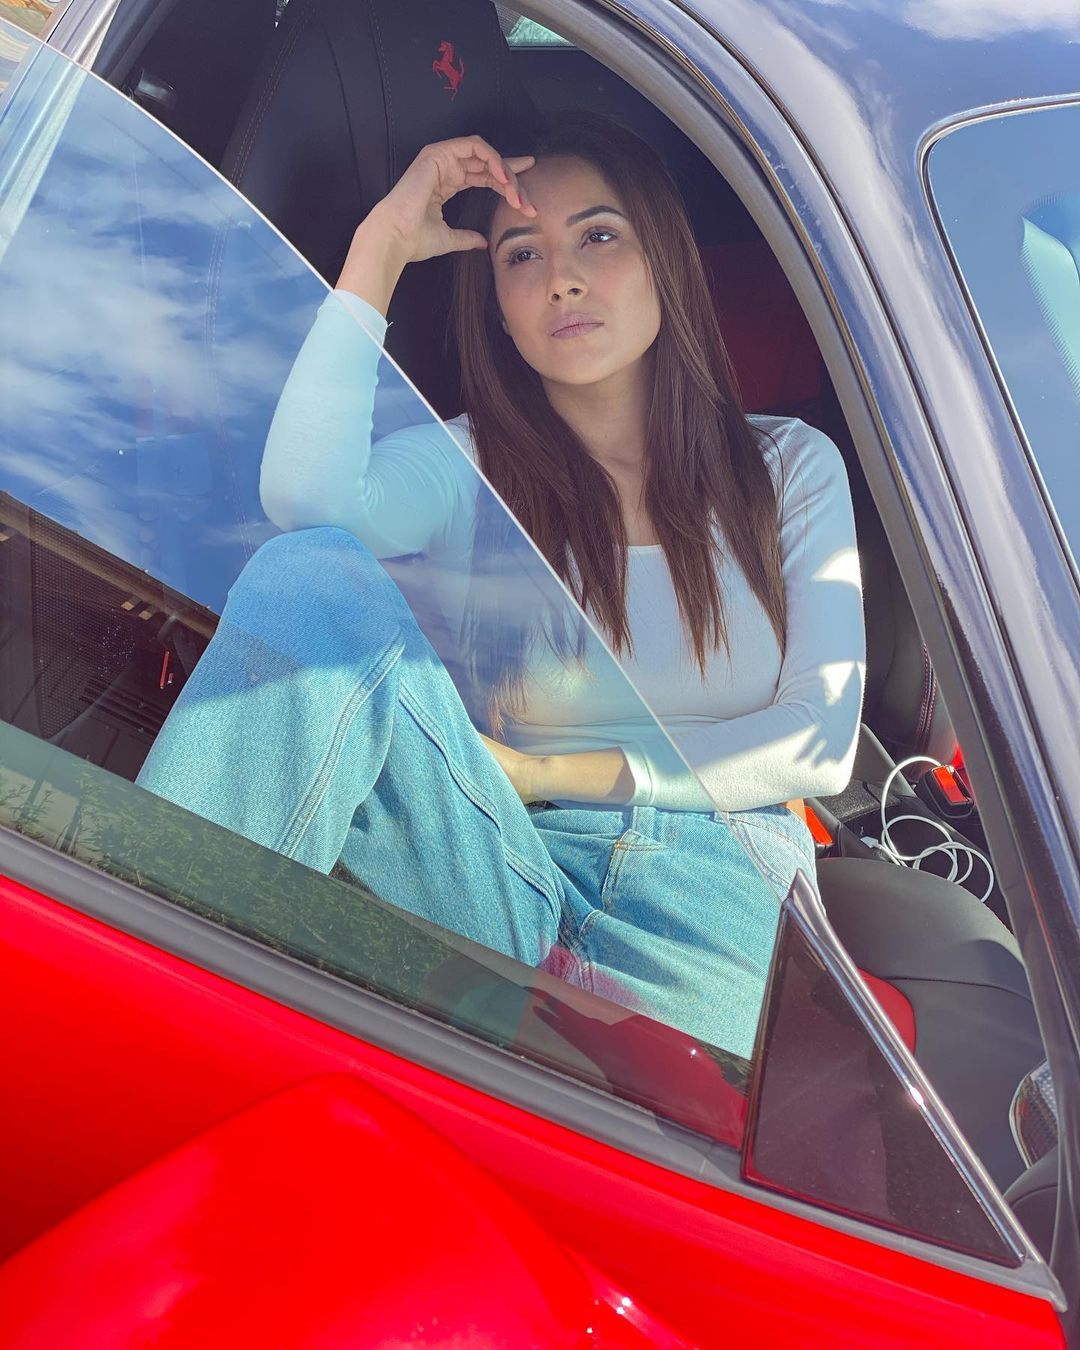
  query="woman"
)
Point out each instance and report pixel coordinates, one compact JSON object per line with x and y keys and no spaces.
{"x":714,"y":552}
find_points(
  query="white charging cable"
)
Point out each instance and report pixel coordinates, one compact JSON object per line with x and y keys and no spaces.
{"x":954,"y":849}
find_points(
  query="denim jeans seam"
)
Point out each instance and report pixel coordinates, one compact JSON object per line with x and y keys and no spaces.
{"x":768,"y":872}
{"x":788,"y":837}
{"x":569,"y":936}
{"x":294,"y":831}
{"x":472,"y":790}
{"x":581,"y":951}
{"x":804,"y":854}
{"x":605,"y":896}
{"x":480,"y":800}
{"x":766,"y":828}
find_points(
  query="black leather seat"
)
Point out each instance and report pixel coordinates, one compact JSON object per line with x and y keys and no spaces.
{"x":1033,"y":1198}
{"x":959,"y":967}
{"x":902,"y":704}
{"x":349,"y":91}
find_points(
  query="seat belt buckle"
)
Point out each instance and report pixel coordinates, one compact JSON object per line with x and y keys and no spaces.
{"x":945,"y":793}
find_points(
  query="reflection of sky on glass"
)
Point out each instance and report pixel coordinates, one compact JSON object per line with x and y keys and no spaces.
{"x":972,"y":19}
{"x":1008,"y":191}
{"x":150,"y":321}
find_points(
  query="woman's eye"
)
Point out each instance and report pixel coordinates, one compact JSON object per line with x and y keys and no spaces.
{"x":597,"y":235}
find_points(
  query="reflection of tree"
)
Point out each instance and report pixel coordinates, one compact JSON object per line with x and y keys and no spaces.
{"x":29,"y":15}
{"x":23,"y":809}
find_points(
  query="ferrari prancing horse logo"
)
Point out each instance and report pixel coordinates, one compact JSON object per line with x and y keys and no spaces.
{"x":444,"y":66}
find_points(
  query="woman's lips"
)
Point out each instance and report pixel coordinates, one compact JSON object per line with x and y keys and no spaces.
{"x":577,"y":328}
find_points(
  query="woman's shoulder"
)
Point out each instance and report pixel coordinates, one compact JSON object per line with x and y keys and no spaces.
{"x":798,"y":454}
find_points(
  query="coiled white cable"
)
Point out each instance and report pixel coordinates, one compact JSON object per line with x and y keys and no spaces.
{"x":952,"y":848}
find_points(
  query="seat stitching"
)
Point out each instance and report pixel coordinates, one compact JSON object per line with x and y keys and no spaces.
{"x":921,"y":725}
{"x":391,"y":162}
{"x":931,"y":698}
{"x":268,"y":93}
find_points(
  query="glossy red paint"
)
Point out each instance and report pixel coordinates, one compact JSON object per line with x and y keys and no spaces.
{"x":325,"y":1215}
{"x":124,"y":1052}
{"x":961,"y":768}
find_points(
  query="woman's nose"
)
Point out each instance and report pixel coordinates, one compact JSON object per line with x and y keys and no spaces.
{"x":565,"y":280}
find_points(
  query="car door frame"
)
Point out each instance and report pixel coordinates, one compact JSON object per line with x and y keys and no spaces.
{"x":701,"y":85}
{"x":695,"y":78}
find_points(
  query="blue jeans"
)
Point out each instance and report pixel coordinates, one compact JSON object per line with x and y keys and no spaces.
{"x":321,"y":724}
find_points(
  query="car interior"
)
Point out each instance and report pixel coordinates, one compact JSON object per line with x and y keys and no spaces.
{"x":312,"y":108}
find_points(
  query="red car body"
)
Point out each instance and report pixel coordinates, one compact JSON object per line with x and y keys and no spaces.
{"x":305,"y":1188}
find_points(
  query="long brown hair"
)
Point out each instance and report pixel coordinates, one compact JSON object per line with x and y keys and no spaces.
{"x":705,"y":464}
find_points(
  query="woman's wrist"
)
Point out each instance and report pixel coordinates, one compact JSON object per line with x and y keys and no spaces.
{"x":540,"y":778}
{"x":602,"y":776}
{"x":376,"y":259}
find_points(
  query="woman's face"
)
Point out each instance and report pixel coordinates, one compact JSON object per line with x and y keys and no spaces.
{"x":572,"y":283}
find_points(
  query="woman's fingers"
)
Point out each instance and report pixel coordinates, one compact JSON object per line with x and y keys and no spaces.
{"x":515,"y":194}
{"x":461,"y":241}
{"x":512,"y":191}
{"x":483,"y":166}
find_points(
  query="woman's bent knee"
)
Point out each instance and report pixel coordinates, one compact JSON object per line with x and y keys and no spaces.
{"x":306,"y":559}
{"x":314,"y":582}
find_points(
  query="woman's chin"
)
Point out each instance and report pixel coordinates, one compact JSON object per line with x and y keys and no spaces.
{"x":581,"y":370}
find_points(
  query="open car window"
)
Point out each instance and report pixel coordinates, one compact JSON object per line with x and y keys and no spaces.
{"x":154,"y":320}
{"x":156,"y":326}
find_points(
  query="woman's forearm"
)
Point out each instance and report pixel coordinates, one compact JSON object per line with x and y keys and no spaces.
{"x":587,"y":776}
{"x":377,"y":257}
{"x":584,"y":776}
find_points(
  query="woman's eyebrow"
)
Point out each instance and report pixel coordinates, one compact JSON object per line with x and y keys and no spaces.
{"x":520,"y":231}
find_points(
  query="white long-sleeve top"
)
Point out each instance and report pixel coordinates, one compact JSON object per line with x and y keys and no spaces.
{"x":755,"y":729}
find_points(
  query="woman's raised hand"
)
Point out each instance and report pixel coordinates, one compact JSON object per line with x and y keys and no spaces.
{"x":408,"y":226}
{"x":412,"y":208}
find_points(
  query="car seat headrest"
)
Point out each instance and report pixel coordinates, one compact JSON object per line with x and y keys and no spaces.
{"x":348,"y":93}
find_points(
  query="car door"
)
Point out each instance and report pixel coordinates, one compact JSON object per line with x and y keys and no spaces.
{"x":617,"y":1135}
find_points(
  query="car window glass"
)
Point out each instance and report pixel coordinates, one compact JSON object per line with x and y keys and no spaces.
{"x":528,"y":33}
{"x":158,"y":319}
{"x":832,"y":1121}
{"x":1008,"y":197}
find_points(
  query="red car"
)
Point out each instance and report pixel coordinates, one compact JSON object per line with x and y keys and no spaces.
{"x":249,"y":1104}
